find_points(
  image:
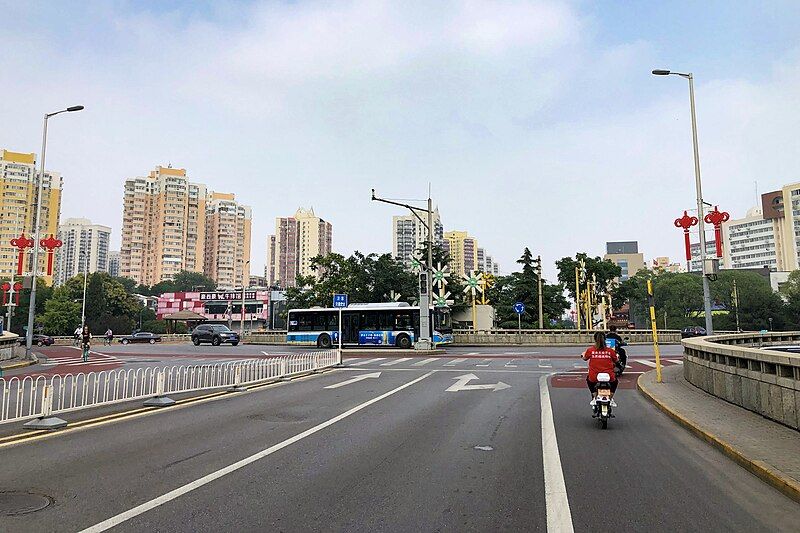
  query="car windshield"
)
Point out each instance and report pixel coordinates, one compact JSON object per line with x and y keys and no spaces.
{"x":220,"y":328}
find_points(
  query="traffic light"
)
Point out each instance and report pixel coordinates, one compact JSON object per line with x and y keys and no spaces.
{"x":423,"y":283}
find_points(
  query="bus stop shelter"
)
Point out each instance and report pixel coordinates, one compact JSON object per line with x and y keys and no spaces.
{"x":190,"y":318}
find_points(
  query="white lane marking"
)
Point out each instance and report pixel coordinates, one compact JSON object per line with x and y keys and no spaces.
{"x":545,"y":363}
{"x":473,"y":353}
{"x":396,"y":361}
{"x":180,"y":491}
{"x":454,"y":362}
{"x":368,"y":361}
{"x":461,"y":384}
{"x":675,"y":361}
{"x":647,"y":363}
{"x":425,"y":361}
{"x":354,"y":380}
{"x":486,"y":362}
{"x":559,"y":517}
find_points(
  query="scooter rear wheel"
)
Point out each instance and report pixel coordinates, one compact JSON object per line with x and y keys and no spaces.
{"x":604,"y":423}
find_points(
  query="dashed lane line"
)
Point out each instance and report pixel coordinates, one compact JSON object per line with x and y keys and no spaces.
{"x":396,"y":361}
{"x":559,"y":517}
{"x":425,"y":361}
{"x":454,"y":362}
{"x":368,"y":361}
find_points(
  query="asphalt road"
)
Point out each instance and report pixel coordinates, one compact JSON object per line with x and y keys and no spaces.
{"x":394,"y":452}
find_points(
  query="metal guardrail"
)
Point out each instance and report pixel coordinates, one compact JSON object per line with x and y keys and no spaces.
{"x":741,"y":369}
{"x":38,"y":396}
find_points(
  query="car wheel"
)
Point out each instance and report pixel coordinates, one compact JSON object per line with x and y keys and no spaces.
{"x":235,"y":343}
{"x":403,"y":341}
{"x":215,"y":341}
{"x":152,"y":341}
{"x":40,"y":344}
{"x":124,"y":341}
{"x":196,"y":341}
{"x":324,"y":341}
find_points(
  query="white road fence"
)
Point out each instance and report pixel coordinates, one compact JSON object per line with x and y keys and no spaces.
{"x":42,"y":395}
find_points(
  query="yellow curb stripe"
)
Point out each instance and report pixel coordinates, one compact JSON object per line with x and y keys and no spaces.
{"x":17,"y":365}
{"x":767,"y":473}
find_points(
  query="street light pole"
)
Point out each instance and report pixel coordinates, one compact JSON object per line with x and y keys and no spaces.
{"x":241,"y":326}
{"x":36,"y":232}
{"x":85,"y":277}
{"x":699,"y":193}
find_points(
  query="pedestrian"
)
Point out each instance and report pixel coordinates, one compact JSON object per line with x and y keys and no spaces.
{"x":76,"y":337}
{"x":109,"y":336}
{"x":86,"y":339}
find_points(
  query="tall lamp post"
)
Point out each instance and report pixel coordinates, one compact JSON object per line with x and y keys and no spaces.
{"x":36,"y":223}
{"x":699,"y":191}
{"x":85,"y":277}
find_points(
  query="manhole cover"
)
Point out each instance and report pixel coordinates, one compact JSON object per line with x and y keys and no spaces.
{"x":14,"y":503}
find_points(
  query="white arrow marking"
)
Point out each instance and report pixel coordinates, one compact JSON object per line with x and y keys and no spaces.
{"x":461,"y":384}
{"x":349,"y":381}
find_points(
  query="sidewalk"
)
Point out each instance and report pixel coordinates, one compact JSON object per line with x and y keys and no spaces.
{"x":767,"y":449}
{"x":15,"y":362}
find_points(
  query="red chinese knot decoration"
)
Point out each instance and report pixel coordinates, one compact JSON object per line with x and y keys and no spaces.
{"x":686,"y":222}
{"x":50,"y":243}
{"x":20,"y":243}
{"x":717,"y":217}
{"x":17,"y":290}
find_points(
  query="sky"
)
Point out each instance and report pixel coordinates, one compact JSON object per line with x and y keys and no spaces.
{"x":535,"y":124}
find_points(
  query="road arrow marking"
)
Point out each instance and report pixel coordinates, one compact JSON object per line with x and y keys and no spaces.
{"x":461,"y":384}
{"x":353,"y":380}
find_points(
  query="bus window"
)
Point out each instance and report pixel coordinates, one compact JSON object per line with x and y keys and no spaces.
{"x":305,"y":322}
{"x":319,"y":321}
{"x":402,"y":322}
{"x":369,"y":321}
{"x":333,"y":321}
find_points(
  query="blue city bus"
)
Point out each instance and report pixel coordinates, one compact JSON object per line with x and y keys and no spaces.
{"x":375,"y":324}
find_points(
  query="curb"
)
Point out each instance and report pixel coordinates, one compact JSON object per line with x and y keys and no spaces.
{"x":17,"y":365}
{"x":767,"y":473}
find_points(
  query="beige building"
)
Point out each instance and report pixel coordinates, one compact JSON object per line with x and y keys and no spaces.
{"x":227,"y":240}
{"x":19,"y":182}
{"x":297,"y":240}
{"x":625,"y":254}
{"x":663,"y":263}
{"x":409,"y":234}
{"x":163,"y":226}
{"x":463,"y":251}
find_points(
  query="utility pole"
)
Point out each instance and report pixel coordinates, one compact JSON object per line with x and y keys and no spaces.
{"x":736,"y":303}
{"x":539,"y":276}
{"x":425,"y":342}
{"x":577,"y":299}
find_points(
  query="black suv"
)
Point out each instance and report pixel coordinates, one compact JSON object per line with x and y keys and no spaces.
{"x":216,"y":334}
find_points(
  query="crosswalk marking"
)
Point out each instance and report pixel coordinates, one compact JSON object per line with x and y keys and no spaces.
{"x":396,"y":361}
{"x":675,"y":361}
{"x":425,"y":361}
{"x":486,"y":362}
{"x":648,"y":363}
{"x":368,"y":361}
{"x":454,"y":362}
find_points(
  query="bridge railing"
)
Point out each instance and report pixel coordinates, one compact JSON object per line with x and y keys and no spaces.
{"x":551,"y":337}
{"x":37,"y":395}
{"x":741,"y":369}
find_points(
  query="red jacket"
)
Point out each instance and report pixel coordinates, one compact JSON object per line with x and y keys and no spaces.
{"x":600,"y":361}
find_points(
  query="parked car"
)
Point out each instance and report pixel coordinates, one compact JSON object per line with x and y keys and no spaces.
{"x":38,"y":340}
{"x":693,"y":331}
{"x":216,"y":334}
{"x":142,"y":336}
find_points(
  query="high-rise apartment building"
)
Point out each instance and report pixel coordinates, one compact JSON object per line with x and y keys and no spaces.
{"x":297,"y":240}
{"x":163,"y":226}
{"x":625,"y":254}
{"x":711,"y":253}
{"x":84,"y":249}
{"x":463,"y":251}
{"x":227,"y":240}
{"x":20,"y":182}
{"x":754,"y":242}
{"x":409,"y":234}
{"x":113,"y":263}
{"x":486,"y":263}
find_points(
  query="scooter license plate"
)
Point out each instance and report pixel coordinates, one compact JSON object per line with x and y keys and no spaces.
{"x":604,"y":409}
{"x":604,"y":393}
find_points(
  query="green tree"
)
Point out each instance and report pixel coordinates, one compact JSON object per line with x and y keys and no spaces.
{"x":127,"y":283}
{"x":20,"y":319}
{"x":96,"y":307}
{"x":186,"y":281}
{"x":61,"y":314}
{"x":604,"y":271}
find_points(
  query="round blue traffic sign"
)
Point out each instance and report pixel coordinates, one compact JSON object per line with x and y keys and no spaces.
{"x":519,"y":308}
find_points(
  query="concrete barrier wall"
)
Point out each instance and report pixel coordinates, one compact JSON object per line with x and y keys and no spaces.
{"x":8,"y":345}
{"x":737,"y":369}
{"x":565,"y":337}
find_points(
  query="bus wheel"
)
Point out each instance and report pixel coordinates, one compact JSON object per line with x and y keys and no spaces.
{"x":403,"y":341}
{"x":324,"y":341}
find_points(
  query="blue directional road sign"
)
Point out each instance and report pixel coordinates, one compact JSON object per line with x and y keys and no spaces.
{"x":519,"y":308}
{"x":340,"y":300}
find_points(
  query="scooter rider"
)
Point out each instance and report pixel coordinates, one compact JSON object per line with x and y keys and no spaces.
{"x":601,"y":359}
{"x":618,"y":344}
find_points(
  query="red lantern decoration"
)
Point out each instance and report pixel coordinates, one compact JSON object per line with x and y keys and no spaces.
{"x":20,"y":243}
{"x":686,"y":222}
{"x":17,"y":292}
{"x":50,"y":243}
{"x":5,"y":286}
{"x":717,"y":217}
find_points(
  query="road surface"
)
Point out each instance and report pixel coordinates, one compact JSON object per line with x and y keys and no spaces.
{"x":475,"y":441}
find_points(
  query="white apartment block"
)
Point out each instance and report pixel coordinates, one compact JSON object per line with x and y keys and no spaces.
{"x":84,"y":249}
{"x":753,"y":242}
{"x":409,"y":234}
